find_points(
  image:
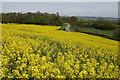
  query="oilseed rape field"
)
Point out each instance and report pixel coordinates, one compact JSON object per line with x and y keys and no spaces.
{"x":36,"y":51}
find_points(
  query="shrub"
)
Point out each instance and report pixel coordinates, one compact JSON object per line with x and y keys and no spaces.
{"x":105,"y":25}
{"x":117,"y":34}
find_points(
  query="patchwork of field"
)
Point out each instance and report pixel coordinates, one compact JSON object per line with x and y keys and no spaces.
{"x":36,"y":51}
{"x":98,"y":31}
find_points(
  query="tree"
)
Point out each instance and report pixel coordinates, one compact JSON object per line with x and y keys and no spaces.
{"x":117,"y":34}
{"x":32,"y":18}
{"x":103,"y":24}
{"x":81,"y":23}
{"x":107,"y":25}
{"x":100,"y":20}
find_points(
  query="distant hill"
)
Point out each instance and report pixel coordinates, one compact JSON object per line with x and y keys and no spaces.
{"x":95,"y":18}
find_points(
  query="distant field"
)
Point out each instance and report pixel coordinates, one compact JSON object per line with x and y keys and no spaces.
{"x":36,"y":51}
{"x":98,"y":31}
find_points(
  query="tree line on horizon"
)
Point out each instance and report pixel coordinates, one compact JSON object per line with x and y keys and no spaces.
{"x":31,"y":18}
{"x":56,"y":20}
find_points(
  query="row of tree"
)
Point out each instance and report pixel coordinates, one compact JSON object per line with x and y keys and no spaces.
{"x":103,"y":24}
{"x":32,"y":18}
{"x":42,"y":19}
{"x":56,"y":20}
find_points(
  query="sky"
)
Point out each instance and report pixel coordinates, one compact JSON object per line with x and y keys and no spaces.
{"x":60,"y":0}
{"x":105,"y":9}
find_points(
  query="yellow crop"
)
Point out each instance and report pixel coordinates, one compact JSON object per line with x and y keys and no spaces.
{"x":46,"y":52}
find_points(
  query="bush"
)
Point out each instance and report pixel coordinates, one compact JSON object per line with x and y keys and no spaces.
{"x":96,"y":25}
{"x":105,"y":25}
{"x":117,"y":34}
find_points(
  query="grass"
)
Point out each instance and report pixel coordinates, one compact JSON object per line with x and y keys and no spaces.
{"x":93,"y":31}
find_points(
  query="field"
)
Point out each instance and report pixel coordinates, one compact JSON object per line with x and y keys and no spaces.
{"x":97,"y":31}
{"x":36,"y":51}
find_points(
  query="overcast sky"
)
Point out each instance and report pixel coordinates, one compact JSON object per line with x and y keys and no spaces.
{"x":65,"y":8}
{"x":60,"y":0}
